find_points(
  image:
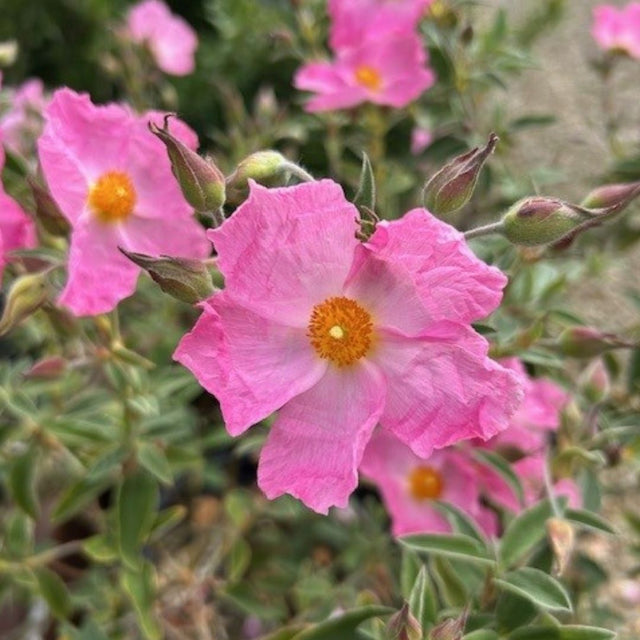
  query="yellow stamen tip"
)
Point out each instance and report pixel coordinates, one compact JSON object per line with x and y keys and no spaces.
{"x":425,"y":483}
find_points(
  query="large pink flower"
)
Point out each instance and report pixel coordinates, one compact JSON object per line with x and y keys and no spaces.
{"x":17,"y":230}
{"x":354,"y":21}
{"x":618,"y":29}
{"x":409,"y":485}
{"x":112,"y":180}
{"x":389,"y":71}
{"x":338,"y":336}
{"x":170,"y":38}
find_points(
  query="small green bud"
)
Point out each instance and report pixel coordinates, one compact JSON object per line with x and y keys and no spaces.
{"x":452,"y":187}
{"x":265,"y":167}
{"x":182,"y":278}
{"x":47,"y":211}
{"x":562,"y":538}
{"x":538,"y":221}
{"x":202,"y":183}
{"x":586,"y":342}
{"x":403,"y":626}
{"x":27,"y":294}
{"x":595,"y":382}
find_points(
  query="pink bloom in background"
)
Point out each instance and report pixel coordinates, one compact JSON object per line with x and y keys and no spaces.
{"x":420,"y":139}
{"x":112,"y":180}
{"x":354,"y":21}
{"x":409,"y":485}
{"x":21,"y":123}
{"x":618,"y":29}
{"x":338,"y":336}
{"x":390,"y":71}
{"x":17,"y":230}
{"x":170,"y":38}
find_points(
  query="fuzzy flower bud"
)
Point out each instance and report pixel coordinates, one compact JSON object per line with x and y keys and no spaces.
{"x":202,"y":183}
{"x":586,"y":342}
{"x":47,"y":210}
{"x":27,"y":294}
{"x":47,"y":368}
{"x":264,"y":167}
{"x":452,"y":187}
{"x":537,"y":221}
{"x":403,"y":626}
{"x":561,"y":536}
{"x":612,"y":195}
{"x":182,"y":278}
{"x":595,"y":382}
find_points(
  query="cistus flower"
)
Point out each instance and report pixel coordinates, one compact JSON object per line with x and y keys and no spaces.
{"x":170,"y":38}
{"x":354,"y":21}
{"x":338,"y":336}
{"x":17,"y":230}
{"x":390,"y":71}
{"x":618,"y":30}
{"x":112,"y":180}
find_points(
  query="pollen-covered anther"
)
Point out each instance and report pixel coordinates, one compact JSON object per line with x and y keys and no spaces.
{"x":340,"y":330}
{"x":112,"y":197}
{"x":368,"y":77}
{"x":425,"y":483}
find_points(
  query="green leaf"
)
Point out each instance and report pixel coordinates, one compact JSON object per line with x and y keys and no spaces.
{"x":238,"y":560}
{"x":90,"y":631}
{"x":154,"y":461}
{"x":54,"y":591}
{"x":460,"y":521}
{"x":343,"y":627}
{"x":22,"y":482}
{"x":77,"y":496}
{"x":366,"y":194}
{"x":453,"y":545}
{"x":481,"y":634}
{"x":136,"y":508}
{"x":167,"y":519}
{"x":100,"y":548}
{"x":512,"y":611}
{"x":537,"y":587}
{"x":569,"y":632}
{"x":422,"y":600}
{"x":525,"y":531}
{"x":498,"y":464}
{"x":140,"y":587}
{"x":284,"y":634}
{"x":451,"y":587}
{"x":589,"y":519}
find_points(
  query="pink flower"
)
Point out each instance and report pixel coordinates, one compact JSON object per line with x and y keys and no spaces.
{"x":112,"y":180}
{"x":338,"y":336}
{"x":390,"y":71}
{"x":22,"y":123}
{"x":409,"y":485}
{"x":420,"y":139}
{"x":538,"y":414}
{"x":171,"y":39}
{"x":17,"y":230}
{"x":618,"y":29}
{"x":354,"y":21}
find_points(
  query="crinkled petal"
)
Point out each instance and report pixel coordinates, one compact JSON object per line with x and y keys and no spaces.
{"x":452,"y":282}
{"x":99,"y":276}
{"x":251,"y":364}
{"x":285,"y":250}
{"x":442,"y":387}
{"x":317,"y":441}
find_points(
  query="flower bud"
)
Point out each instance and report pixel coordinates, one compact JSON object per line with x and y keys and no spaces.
{"x":27,"y":294}
{"x":403,"y":626}
{"x":47,"y":211}
{"x":562,"y":537}
{"x":185,"y":279}
{"x":452,"y":187}
{"x":265,"y":167}
{"x":595,"y":382}
{"x":202,"y":183}
{"x":537,"y":221}
{"x":586,"y":342}
{"x":610,"y":196}
{"x":448,"y":630}
{"x":47,"y":368}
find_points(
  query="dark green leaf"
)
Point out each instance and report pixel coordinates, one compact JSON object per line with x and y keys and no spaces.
{"x":343,"y":627}
{"x":154,"y":461}
{"x":481,"y":634}
{"x":538,"y":587}
{"x":22,"y":482}
{"x":589,"y":519}
{"x":366,"y":194}
{"x":422,"y":600}
{"x":140,"y":586}
{"x":454,"y":545}
{"x":498,"y":464}
{"x":460,"y":521}
{"x":78,"y":496}
{"x":569,"y":632}
{"x":54,"y":591}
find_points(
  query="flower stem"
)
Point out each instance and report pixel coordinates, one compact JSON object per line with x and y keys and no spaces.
{"x":487,"y":229}
{"x":298,"y":172}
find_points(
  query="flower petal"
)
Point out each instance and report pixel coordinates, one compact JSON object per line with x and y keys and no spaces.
{"x":442,"y":388}
{"x":452,"y":282}
{"x":252,"y":365}
{"x":317,"y":441}
{"x":285,"y":250}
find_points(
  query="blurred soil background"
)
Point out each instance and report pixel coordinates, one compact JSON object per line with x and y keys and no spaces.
{"x":575,"y":146}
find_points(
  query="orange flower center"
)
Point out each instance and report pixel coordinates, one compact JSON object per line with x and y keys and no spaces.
{"x":340,"y":330}
{"x":425,"y":483}
{"x":112,"y":197}
{"x":368,"y":77}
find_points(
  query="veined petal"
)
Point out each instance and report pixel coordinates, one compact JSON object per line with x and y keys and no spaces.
{"x":251,"y":364}
{"x":317,"y":441}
